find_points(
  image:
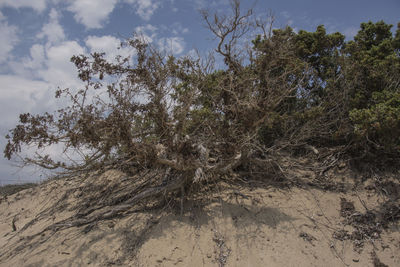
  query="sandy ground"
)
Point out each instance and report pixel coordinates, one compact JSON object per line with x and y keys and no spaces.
{"x":242,"y":227}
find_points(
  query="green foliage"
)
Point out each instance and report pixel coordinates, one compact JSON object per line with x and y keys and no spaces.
{"x":380,"y":123}
{"x":351,"y":93}
{"x":320,"y":50}
{"x":373,"y":62}
{"x":373,"y":78}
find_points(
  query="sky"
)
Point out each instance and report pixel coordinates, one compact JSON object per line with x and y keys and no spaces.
{"x":38,"y":38}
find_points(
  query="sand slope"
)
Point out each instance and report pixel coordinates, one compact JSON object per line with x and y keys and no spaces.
{"x":236,"y":226}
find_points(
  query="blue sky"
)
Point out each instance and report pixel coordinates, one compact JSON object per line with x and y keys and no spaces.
{"x":38,"y":37}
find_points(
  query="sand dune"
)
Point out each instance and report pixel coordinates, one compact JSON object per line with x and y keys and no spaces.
{"x":234,"y":226}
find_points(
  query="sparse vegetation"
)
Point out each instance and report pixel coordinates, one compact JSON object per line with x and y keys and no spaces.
{"x":10,"y":189}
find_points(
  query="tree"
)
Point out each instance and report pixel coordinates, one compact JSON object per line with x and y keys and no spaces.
{"x":181,"y":116}
{"x":373,"y":77}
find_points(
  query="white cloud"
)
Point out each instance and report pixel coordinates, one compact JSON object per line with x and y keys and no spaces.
{"x":145,"y":8}
{"x":38,"y":5}
{"x":32,"y":90}
{"x":217,"y":5}
{"x":175,"y":45}
{"x":109,"y":45}
{"x":29,"y":66}
{"x":51,"y":63}
{"x":147,"y":32}
{"x":91,"y":13}
{"x":200,"y":4}
{"x":19,"y":95}
{"x":146,"y":28}
{"x":177,"y":28}
{"x":8,"y":39}
{"x":52,"y":30}
{"x":171,"y":44}
{"x":36,"y":60}
{"x":58,"y":70}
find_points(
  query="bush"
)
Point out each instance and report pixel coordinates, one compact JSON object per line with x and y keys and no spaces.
{"x":289,"y":91}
